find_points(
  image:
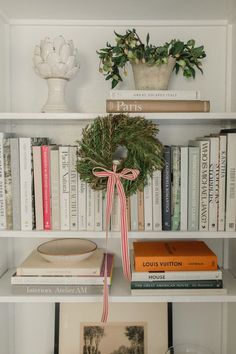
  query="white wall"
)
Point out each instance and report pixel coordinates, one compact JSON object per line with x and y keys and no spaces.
{"x":3,"y":65}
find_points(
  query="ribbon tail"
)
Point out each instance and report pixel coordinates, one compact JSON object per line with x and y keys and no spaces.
{"x":109,"y":203}
{"x":124,"y":231}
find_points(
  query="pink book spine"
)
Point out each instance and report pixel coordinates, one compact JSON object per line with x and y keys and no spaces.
{"x":46,"y":187}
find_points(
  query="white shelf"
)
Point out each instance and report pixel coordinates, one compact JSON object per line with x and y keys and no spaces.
{"x":163,"y":118}
{"x":120,"y":292}
{"x":115,"y":235}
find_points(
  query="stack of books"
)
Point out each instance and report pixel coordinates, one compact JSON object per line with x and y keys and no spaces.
{"x":154,"y":101}
{"x":36,"y":276}
{"x":175,"y":268}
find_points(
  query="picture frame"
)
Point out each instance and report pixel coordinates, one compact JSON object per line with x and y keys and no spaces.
{"x":78,"y":329}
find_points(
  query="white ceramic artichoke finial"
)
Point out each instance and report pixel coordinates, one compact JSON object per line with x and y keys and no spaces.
{"x":56,"y":58}
{"x":57,"y":61}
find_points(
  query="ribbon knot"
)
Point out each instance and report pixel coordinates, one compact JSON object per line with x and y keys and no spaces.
{"x":114,"y":179}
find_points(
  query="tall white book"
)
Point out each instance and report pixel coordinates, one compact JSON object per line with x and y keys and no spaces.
{"x":98,"y":217}
{"x":148,"y":220}
{"x":213,"y":183}
{"x":134,"y":212}
{"x":156,"y":201}
{"x":3,"y":222}
{"x":8,"y":183}
{"x":184,"y":188}
{"x":25,"y":184}
{"x":193,"y":188}
{"x":204,"y":146}
{"x":90,"y":208}
{"x":231,"y":182}
{"x":115,"y":214}
{"x":73,"y":188}
{"x":64,"y":187}
{"x":175,"y":188}
{"x":38,"y":194}
{"x":82,"y":204}
{"x":15,"y":170}
{"x":222,"y":182}
{"x":55,"y":189}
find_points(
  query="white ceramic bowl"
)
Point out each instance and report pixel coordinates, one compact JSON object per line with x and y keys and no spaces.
{"x":67,"y":250}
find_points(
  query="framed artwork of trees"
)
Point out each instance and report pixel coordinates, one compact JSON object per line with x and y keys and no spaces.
{"x":132,"y":328}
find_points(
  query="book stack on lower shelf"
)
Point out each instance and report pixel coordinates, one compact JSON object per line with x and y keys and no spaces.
{"x":154,"y":101}
{"x":36,"y":276}
{"x":175,"y":268}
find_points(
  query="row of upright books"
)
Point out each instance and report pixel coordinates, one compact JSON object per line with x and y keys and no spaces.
{"x":175,"y":268}
{"x":155,"y":101}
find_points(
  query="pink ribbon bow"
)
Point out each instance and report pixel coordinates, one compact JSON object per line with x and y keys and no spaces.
{"x":114,"y":179}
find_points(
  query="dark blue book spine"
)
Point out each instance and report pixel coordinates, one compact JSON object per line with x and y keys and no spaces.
{"x":166,"y":190}
{"x":178,"y":284}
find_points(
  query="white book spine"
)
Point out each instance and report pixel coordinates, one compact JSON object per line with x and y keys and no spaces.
{"x":64,"y":187}
{"x":193,"y":190}
{"x":38,"y":194}
{"x":213,"y":183}
{"x":148,"y":220}
{"x":204,"y":186}
{"x":82,"y":204}
{"x":90,"y":208}
{"x":156,"y":201}
{"x":15,"y":168}
{"x":58,"y":280}
{"x":73,"y":189}
{"x":3,"y":222}
{"x":175,"y":190}
{"x":183,"y":275}
{"x":104,"y":203}
{"x":222,"y":182}
{"x":184,"y":188}
{"x":25,"y":183}
{"x":8,"y":183}
{"x":155,"y":94}
{"x":98,"y":210}
{"x":55,"y":189}
{"x":115,"y":214}
{"x":231,"y":182}
{"x":134,"y":212}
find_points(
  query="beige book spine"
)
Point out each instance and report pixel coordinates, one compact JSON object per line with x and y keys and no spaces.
{"x":140,"y":210}
{"x":113,"y":106}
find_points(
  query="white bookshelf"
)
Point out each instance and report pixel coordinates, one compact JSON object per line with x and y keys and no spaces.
{"x":208,"y":320}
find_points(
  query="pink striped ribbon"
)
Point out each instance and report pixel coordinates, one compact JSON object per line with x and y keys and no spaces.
{"x":114,"y":179}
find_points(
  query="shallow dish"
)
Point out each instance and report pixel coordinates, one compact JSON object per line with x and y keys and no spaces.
{"x":67,"y":250}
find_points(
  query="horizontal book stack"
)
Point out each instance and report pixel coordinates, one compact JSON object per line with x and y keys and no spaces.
{"x":36,"y":276}
{"x":153,"y":101}
{"x":175,"y":268}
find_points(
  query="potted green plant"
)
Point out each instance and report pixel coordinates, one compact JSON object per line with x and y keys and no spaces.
{"x":152,"y":65}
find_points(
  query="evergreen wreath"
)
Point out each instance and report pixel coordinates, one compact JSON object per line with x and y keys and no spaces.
{"x":106,"y":136}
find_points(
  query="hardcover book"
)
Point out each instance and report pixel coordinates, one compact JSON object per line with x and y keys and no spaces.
{"x":64,"y":187}
{"x":15,"y":170}
{"x":116,"y":106}
{"x":231,"y":183}
{"x":73,"y":180}
{"x":173,"y":255}
{"x":155,"y":94}
{"x":57,"y":290}
{"x":184,"y":188}
{"x":193,"y":188}
{"x":179,"y":284}
{"x":55,"y":189}
{"x":166,"y":190}
{"x":34,"y":265}
{"x":157,"y":201}
{"x":175,"y":188}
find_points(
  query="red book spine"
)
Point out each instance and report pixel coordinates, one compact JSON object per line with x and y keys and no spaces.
{"x":46,"y":187}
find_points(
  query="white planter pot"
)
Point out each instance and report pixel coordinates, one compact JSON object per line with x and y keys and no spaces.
{"x":56,"y":96}
{"x":152,"y":77}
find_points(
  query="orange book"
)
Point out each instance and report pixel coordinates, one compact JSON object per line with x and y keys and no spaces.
{"x":158,"y":256}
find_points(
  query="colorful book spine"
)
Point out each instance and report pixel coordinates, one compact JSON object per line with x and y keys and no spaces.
{"x":193,"y":189}
{"x":148,"y":219}
{"x":184,"y":188}
{"x":73,"y":188}
{"x":213,"y":183}
{"x":156,"y":201}
{"x":231,"y":183}
{"x":46,"y":188}
{"x":25,"y":184}
{"x":166,"y":190}
{"x":15,"y":169}
{"x":38,"y":188}
{"x":178,"y":284}
{"x":155,"y":94}
{"x":222,"y":181}
{"x":175,"y":189}
{"x":3,"y":222}
{"x":55,"y":189}
{"x":64,"y":187}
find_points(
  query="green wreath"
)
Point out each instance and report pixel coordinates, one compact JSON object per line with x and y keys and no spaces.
{"x":131,"y":140}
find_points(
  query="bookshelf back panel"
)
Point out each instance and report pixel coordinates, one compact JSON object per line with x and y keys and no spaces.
{"x":88,"y":91}
{"x":4,"y":329}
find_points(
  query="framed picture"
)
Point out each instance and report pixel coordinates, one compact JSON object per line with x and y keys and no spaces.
{"x":133,"y":328}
